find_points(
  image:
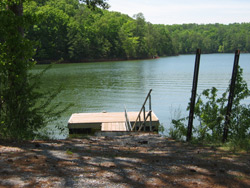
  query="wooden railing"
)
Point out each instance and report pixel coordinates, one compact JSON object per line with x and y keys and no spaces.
{"x":146,"y":115}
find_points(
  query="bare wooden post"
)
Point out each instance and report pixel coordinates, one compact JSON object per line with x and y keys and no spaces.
{"x":231,"y":94}
{"x":193,"y":95}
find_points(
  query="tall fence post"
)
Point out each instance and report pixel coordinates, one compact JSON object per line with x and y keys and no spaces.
{"x":193,"y":95}
{"x":231,"y":94}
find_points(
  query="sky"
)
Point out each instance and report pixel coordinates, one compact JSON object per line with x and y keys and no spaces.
{"x":171,"y":12}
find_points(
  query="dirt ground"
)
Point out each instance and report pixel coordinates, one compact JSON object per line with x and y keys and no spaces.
{"x":146,"y":160}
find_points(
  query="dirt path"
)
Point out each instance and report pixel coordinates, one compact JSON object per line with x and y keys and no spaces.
{"x":126,"y":161}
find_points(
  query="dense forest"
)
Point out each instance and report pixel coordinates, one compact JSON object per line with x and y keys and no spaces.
{"x":71,"y":31}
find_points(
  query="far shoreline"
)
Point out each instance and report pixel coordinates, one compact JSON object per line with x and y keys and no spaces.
{"x":43,"y":62}
{"x":62,"y":61}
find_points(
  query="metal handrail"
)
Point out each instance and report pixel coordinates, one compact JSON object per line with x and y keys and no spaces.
{"x":127,"y":122}
{"x":149,"y":114}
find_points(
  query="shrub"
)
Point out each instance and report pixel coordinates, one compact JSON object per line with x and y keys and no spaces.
{"x":210,"y":111}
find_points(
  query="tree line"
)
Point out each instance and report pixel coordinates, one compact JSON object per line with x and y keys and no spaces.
{"x":72,"y":31}
{"x":211,"y":38}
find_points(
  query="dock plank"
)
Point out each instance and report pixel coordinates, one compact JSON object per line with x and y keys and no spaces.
{"x":117,"y":126}
{"x":108,"y":117}
{"x":110,"y":121}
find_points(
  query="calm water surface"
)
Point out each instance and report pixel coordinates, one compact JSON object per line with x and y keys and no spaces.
{"x":108,"y":86}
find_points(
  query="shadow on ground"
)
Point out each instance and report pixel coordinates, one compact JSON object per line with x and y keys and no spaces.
{"x":146,"y":160}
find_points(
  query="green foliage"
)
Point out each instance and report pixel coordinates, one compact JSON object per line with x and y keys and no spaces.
{"x":210,"y":115}
{"x":74,"y":31}
{"x":211,"y":38}
{"x":24,"y":110}
{"x":68,"y":152}
{"x":238,"y":144}
{"x":161,"y":128}
{"x":80,"y":31}
{"x":92,"y":4}
{"x":210,"y":111}
{"x":179,"y":130}
{"x":15,"y":89}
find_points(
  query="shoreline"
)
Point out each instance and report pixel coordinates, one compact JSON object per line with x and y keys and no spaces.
{"x":43,"y":62}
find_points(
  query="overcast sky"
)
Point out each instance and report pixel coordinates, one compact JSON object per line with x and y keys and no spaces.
{"x":186,"y":11}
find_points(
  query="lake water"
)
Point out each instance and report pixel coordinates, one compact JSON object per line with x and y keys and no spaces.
{"x":108,"y":86}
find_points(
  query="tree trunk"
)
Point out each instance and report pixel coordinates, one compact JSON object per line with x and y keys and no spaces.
{"x":17,"y":9}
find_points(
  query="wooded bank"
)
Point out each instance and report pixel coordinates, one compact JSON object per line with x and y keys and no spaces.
{"x":71,"y":32}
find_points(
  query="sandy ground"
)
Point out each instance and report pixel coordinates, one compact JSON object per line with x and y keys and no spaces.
{"x":145,"y":160}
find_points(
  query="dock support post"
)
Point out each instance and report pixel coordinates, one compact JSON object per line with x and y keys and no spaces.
{"x":231,"y":94}
{"x":193,"y":95}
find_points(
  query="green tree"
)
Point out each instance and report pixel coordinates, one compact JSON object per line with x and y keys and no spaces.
{"x":75,"y":30}
{"x":163,"y":42}
{"x":211,"y":38}
{"x":19,"y":119}
{"x":49,"y":31}
{"x":128,"y":40}
{"x":142,"y":50}
{"x":66,"y":29}
{"x":108,"y":27}
{"x":24,"y":110}
{"x":93,"y":4}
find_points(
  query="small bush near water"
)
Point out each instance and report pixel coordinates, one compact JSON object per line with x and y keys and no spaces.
{"x":210,"y":112}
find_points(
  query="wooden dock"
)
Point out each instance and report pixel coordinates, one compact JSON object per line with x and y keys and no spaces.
{"x":108,"y":122}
